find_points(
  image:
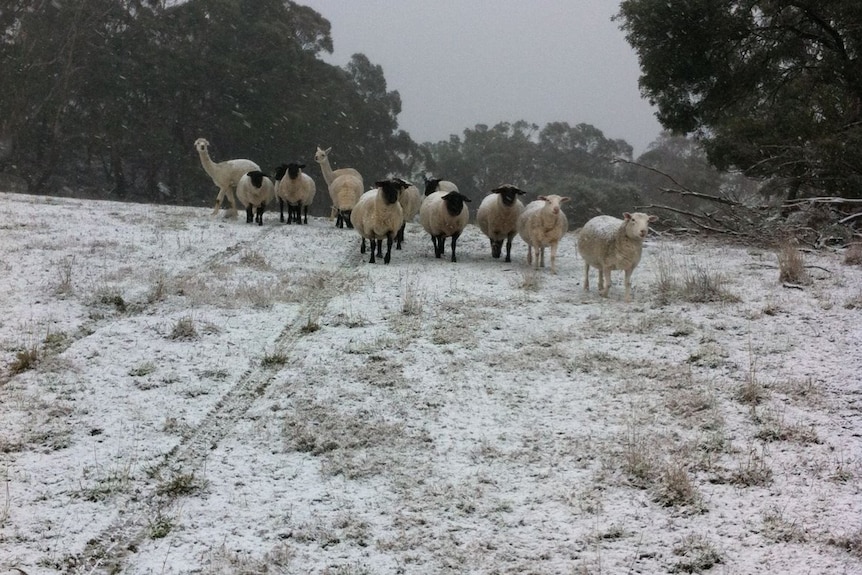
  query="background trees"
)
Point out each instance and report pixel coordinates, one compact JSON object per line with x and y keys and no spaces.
{"x":771,"y":88}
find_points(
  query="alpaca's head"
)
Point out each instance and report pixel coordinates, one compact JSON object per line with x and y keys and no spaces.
{"x":321,"y":155}
{"x":201,"y":145}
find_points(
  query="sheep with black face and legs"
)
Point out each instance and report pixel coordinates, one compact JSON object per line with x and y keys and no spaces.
{"x":497,"y":217}
{"x":297,"y":190}
{"x":378,"y":216}
{"x":255,"y":190}
{"x":444,"y":215}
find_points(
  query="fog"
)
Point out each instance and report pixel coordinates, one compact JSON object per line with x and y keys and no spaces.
{"x":458,"y":63}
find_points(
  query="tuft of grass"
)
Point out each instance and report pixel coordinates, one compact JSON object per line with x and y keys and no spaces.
{"x":775,"y":428}
{"x":179,"y":485}
{"x":530,"y":280}
{"x":696,"y":555}
{"x":638,"y":460}
{"x":113,"y":299}
{"x":675,"y":488}
{"x":310,"y":326}
{"x":254,"y":259}
{"x":184,"y":329}
{"x":791,"y":265}
{"x":160,"y":526}
{"x":412,"y":301}
{"x":702,"y":285}
{"x":754,"y":471}
{"x":25,"y":360}
{"x":853,"y":255}
{"x":777,"y":528}
{"x":64,"y":276}
{"x":274,"y":360}
{"x":143,"y":369}
{"x":850,"y":542}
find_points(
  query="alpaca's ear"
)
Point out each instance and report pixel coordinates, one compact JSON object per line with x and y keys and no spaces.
{"x":329,"y":149}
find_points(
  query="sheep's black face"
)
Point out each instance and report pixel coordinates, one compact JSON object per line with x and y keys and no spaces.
{"x":256,"y":178}
{"x":280,"y":171}
{"x":431,"y":185}
{"x":293,"y":170}
{"x":389,"y":190}
{"x":455,"y":202}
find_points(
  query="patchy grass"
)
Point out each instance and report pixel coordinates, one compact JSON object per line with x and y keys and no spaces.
{"x":695,"y":554}
{"x":791,"y":265}
{"x":853,"y":255}
{"x":184,"y":329}
{"x":25,"y":360}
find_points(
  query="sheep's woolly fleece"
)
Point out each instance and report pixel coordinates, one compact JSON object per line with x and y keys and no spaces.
{"x":183,"y":394}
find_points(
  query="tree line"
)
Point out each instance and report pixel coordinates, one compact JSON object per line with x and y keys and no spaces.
{"x":104,"y":98}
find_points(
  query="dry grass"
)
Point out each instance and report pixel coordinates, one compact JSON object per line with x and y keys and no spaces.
{"x":689,"y":281}
{"x":791,"y":265}
{"x":695,"y":554}
{"x":184,"y":329}
{"x":853,"y":255}
{"x":25,"y":360}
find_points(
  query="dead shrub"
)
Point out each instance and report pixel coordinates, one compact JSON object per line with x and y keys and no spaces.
{"x":791,"y":265}
{"x":853,"y":255}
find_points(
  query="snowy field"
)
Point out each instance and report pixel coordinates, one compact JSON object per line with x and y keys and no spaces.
{"x":188,"y":394}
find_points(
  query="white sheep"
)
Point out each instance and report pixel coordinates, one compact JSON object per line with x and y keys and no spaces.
{"x":608,"y":243}
{"x":255,"y":190}
{"x":378,"y":215}
{"x":497,"y":217}
{"x":225,"y":175}
{"x":410,"y":200}
{"x":345,"y":190}
{"x":444,"y":214}
{"x":297,"y":190}
{"x":543,"y":224}
{"x":437,"y":185}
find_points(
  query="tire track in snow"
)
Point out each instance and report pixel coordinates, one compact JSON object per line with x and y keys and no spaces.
{"x":107,"y":552}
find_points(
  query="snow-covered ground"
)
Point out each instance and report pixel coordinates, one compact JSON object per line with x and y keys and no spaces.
{"x":187,"y":394}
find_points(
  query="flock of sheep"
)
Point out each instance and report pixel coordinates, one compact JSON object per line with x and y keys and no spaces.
{"x":381,"y":213}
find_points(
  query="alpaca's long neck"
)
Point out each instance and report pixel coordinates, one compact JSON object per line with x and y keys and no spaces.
{"x":327,"y":170}
{"x":207,"y":163}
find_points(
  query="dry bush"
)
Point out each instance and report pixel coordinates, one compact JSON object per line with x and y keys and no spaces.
{"x":696,"y":554}
{"x":853,"y":255}
{"x":25,"y":360}
{"x":791,"y":265}
{"x":184,"y":329}
{"x":675,"y":488}
{"x":692,"y":282}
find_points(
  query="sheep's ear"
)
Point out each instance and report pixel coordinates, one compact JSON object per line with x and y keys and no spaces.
{"x":543,"y":198}
{"x":563,"y":200}
{"x":466,"y":199}
{"x":627,"y":216}
{"x":380,"y":184}
{"x":301,"y":166}
{"x":520,"y":192}
{"x":653,"y":218}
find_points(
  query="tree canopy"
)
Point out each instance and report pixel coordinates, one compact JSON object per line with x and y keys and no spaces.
{"x":773,"y":88}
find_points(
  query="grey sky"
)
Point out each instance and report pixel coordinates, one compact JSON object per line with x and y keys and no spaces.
{"x":458,"y":63}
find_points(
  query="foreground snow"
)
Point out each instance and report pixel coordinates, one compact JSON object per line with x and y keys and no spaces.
{"x":207,"y":396}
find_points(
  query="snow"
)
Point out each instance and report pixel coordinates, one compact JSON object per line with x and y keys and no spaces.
{"x":217,"y":397}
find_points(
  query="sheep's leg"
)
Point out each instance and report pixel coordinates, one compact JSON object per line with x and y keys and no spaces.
{"x":372,"y":250}
{"x":339,"y":220}
{"x":541,"y":258}
{"x":379,"y":248}
{"x":496,"y":248}
{"x":601,"y":271}
{"x":249,"y":216}
{"x":305,"y":213}
{"x":587,"y":276}
{"x":454,"y":240}
{"x":439,"y":241}
{"x":388,"y":255}
{"x":281,"y":210}
{"x":347,"y":221}
{"x":260,"y":210}
{"x":606,"y":271}
{"x":508,"y":249}
{"x":399,"y":237}
{"x":362,"y":247}
{"x":628,"y":284}
{"x":554,"y":258}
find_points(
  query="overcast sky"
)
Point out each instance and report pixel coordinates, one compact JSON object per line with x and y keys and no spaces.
{"x":458,"y":63}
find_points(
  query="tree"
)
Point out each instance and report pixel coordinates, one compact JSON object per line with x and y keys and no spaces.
{"x":773,"y":88}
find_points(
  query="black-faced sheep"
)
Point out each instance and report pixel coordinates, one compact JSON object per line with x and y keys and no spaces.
{"x":297,"y":190}
{"x":225,"y":175}
{"x":443,"y":215}
{"x":437,"y":185}
{"x":542,"y":224}
{"x":255,"y":190}
{"x":377,"y":216}
{"x":497,"y":217}
{"x":608,"y":243}
{"x":410,"y":200}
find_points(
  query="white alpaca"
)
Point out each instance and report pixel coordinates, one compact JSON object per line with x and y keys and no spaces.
{"x":322,"y":158}
{"x":225,"y":175}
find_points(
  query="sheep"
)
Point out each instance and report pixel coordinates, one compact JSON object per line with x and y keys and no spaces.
{"x":225,"y":175}
{"x":345,"y":191}
{"x":542,"y":224}
{"x":608,"y":243}
{"x":255,"y":190}
{"x":437,"y":185}
{"x":297,"y":189}
{"x":410,"y":200}
{"x":378,"y":215}
{"x":497,"y":217}
{"x":444,"y":214}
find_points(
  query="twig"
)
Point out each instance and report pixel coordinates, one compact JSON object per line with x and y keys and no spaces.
{"x":792,"y":286}
{"x":850,"y":218}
